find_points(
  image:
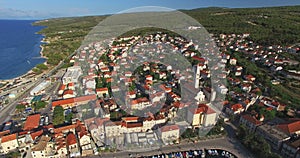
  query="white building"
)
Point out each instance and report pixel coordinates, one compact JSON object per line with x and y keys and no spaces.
{"x":40,"y":88}
{"x":72,"y":75}
{"x":8,"y":143}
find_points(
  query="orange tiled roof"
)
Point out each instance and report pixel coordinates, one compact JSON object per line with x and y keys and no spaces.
{"x":290,"y":128}
{"x":210,"y":111}
{"x":36,"y":134}
{"x":68,"y":92}
{"x":71,"y":139}
{"x":62,"y":87}
{"x":32,"y":122}
{"x":8,"y":138}
{"x":130,"y":118}
{"x":169,"y":128}
{"x":236,"y":107}
{"x":64,"y":128}
{"x":73,"y":100}
{"x":101,"y":89}
{"x":251,"y":119}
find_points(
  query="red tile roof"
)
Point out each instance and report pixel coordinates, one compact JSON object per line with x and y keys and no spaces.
{"x":64,"y":128}
{"x":8,"y":138}
{"x":4,"y":133}
{"x":32,"y":122}
{"x":236,"y":107}
{"x":169,"y":128}
{"x":68,"y":92}
{"x":290,"y":128}
{"x":63,"y":102}
{"x":198,"y":58}
{"x":71,"y":139}
{"x":132,"y":125}
{"x":210,"y":111}
{"x":130,"y":118}
{"x":36,"y":134}
{"x":74,"y":100}
{"x":101,"y":89}
{"x":62,"y":87}
{"x":251,"y":119}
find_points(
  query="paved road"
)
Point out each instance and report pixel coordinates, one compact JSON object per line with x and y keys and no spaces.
{"x":225,"y":143}
{"x":8,"y":110}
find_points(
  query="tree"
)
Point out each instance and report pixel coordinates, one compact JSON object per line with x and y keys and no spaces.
{"x":40,"y":105}
{"x":58,"y":116}
{"x":69,"y":117}
{"x":42,"y":66}
{"x":20,"y":107}
{"x":14,"y":154}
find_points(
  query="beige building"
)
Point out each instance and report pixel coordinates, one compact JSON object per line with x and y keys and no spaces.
{"x":250,"y":122}
{"x":203,"y":115}
{"x":169,"y":133}
{"x":101,"y":92}
{"x":42,"y":148}
{"x":112,"y":129}
{"x":210,"y":117}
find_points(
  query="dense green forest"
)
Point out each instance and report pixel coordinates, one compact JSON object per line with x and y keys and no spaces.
{"x":276,"y":25}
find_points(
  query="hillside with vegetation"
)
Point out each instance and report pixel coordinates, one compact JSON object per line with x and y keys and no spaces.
{"x":276,"y":25}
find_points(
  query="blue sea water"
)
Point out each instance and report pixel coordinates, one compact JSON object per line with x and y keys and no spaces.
{"x":19,"y":47}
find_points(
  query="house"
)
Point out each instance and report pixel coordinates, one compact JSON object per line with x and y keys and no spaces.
{"x":25,"y":140}
{"x":250,"y":122}
{"x":102,"y":92}
{"x":291,"y":127}
{"x":60,"y":147}
{"x":169,"y":134}
{"x":71,"y":86}
{"x":235,"y":109}
{"x":65,"y":129}
{"x":156,"y":97}
{"x":61,"y":89}
{"x":112,"y":129}
{"x":249,"y":78}
{"x":84,"y":139}
{"x":68,"y":94}
{"x":246,"y":87}
{"x":96,"y":128}
{"x":140,"y":103}
{"x":32,"y":122}
{"x":115,"y":89}
{"x":43,"y":148}
{"x":132,"y":124}
{"x":132,"y":94}
{"x":8,"y":143}
{"x":72,"y":145}
{"x":151,"y":121}
{"x":232,"y":61}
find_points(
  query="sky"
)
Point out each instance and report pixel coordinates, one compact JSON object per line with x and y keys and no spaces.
{"x":40,"y":9}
